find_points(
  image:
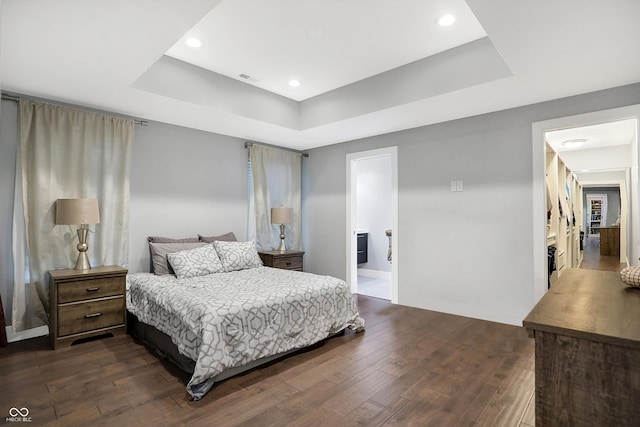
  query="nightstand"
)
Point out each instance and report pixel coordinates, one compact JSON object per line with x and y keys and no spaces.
{"x":289,"y":260}
{"x":86,"y":303}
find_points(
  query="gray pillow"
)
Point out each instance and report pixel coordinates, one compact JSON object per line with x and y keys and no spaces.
{"x":159,"y":253}
{"x":195,"y":262}
{"x":229,"y":237}
{"x":159,"y":239}
{"x":238,"y":255}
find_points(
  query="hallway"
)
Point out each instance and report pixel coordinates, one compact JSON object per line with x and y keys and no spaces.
{"x":592,"y":260}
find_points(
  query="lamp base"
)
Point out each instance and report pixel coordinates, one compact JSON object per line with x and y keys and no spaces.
{"x":282,"y":247}
{"x":83,"y":260}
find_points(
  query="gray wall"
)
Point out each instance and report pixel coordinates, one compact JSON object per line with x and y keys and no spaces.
{"x":184,"y":182}
{"x":470,"y":252}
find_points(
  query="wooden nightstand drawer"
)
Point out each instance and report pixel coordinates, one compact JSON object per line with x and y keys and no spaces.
{"x":288,"y":263}
{"x":90,"y":289}
{"x":289,"y":260}
{"x":87,"y":316}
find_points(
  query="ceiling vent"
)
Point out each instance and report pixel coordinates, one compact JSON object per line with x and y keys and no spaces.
{"x":249,"y":78}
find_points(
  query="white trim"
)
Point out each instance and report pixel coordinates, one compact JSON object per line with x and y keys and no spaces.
{"x":352,"y":276}
{"x":539,"y":225}
{"x":40,"y":331}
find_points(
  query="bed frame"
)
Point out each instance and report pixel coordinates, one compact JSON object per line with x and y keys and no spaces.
{"x":165,"y":348}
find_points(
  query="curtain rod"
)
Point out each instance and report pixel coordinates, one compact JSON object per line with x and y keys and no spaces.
{"x":248,"y":144}
{"x":7,"y":97}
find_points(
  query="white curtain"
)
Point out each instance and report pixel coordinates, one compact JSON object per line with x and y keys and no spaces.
{"x":276,"y":183}
{"x":66,"y":153}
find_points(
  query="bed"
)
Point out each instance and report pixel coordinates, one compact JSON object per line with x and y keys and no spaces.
{"x":216,"y":323}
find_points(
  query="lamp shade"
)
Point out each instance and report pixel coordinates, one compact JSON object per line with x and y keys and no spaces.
{"x":281,"y":215}
{"x":77,"y":211}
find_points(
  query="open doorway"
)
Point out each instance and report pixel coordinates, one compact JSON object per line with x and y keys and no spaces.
{"x":603,"y":247}
{"x":623,"y":174}
{"x":372,"y":218}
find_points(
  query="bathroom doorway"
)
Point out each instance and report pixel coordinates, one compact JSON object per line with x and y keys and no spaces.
{"x":372,"y":255}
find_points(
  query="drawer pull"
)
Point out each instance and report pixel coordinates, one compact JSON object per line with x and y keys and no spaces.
{"x":93,"y":289}
{"x":89,"y":316}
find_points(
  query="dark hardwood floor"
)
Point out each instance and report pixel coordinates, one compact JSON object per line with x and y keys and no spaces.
{"x":592,"y":260}
{"x":410,"y":367}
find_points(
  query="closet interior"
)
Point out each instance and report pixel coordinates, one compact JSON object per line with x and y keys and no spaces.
{"x":564,"y":217}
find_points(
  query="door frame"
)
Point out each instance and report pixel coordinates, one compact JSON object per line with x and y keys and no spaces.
{"x":539,"y":191}
{"x":352,"y":271}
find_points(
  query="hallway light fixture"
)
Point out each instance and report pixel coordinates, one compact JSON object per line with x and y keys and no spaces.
{"x":573,"y":143}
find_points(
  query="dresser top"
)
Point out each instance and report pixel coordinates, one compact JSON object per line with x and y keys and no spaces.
{"x":589,"y":304}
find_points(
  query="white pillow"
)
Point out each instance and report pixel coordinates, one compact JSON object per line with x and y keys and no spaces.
{"x":195,"y":262}
{"x":238,"y":255}
{"x":631,"y":276}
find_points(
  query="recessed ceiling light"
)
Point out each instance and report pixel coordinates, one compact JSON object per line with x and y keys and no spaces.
{"x":446,"y":20}
{"x":573,"y":143}
{"x":194,"y":42}
{"x":294,"y":83}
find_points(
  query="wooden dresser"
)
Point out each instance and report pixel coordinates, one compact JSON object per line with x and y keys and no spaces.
{"x":86,"y":303}
{"x":289,"y":260}
{"x":610,"y":241}
{"x":587,"y":351}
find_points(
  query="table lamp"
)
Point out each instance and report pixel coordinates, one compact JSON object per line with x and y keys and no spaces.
{"x":79,"y":212}
{"x":282,"y":216}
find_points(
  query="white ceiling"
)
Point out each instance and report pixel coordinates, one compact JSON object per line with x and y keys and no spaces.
{"x":367,"y":66}
{"x":325,"y":45}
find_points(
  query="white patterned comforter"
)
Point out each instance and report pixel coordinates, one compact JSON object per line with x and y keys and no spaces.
{"x":225,"y":320}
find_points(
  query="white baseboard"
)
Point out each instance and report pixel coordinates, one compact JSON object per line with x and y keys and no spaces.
{"x":376,"y":274}
{"x":25,"y":335}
